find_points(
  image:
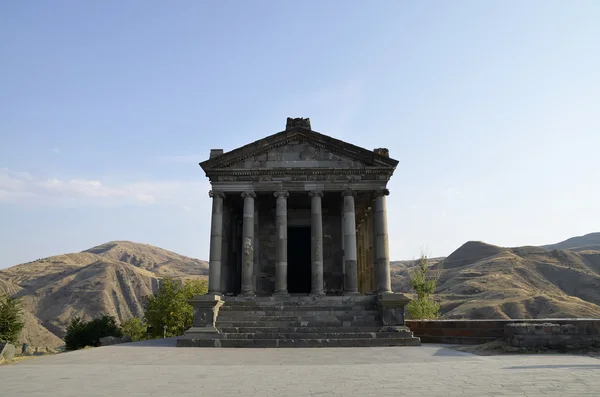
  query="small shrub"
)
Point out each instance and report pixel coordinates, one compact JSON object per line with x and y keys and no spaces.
{"x":81,"y":334}
{"x":134,"y":327}
{"x":11,"y":319}
{"x":424,"y":282}
{"x":170,"y":307}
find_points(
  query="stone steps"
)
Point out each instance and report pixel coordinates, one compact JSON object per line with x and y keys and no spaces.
{"x":298,"y":330}
{"x":335,"y":342}
{"x":292,"y":318}
{"x":297,"y":312}
{"x":308,"y":335}
{"x":294,"y":323}
{"x":340,"y":321}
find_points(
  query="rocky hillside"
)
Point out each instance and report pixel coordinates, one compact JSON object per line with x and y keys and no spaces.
{"x":112,"y":278}
{"x":581,"y":243}
{"x":480,"y":280}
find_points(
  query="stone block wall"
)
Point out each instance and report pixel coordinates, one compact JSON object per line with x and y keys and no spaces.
{"x":553,"y":336}
{"x":332,"y":249}
{"x":267,"y":253}
{"x":333,"y":274}
{"x":482,"y":331}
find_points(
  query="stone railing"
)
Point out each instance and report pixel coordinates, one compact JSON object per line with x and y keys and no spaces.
{"x":470,"y":332}
{"x":550,"y":335}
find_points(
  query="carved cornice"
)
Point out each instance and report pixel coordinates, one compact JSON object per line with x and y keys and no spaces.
{"x":299,"y":171}
{"x":300,"y":137}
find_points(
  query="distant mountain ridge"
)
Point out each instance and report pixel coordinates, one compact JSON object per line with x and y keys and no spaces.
{"x":589,"y":242}
{"x":481,"y":280}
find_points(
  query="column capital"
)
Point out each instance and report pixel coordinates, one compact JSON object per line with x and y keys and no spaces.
{"x":216,"y":193}
{"x":383,"y":192}
{"x":348,"y":192}
{"x":282,"y":193}
{"x":248,"y":193}
{"x":315,"y":193}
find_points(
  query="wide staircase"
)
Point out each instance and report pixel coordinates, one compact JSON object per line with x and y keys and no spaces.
{"x":303,"y":321}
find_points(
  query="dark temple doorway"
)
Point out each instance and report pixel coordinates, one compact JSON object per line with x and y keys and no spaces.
{"x":299,"y":260}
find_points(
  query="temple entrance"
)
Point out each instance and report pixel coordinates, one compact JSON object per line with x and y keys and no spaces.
{"x":299,"y":260}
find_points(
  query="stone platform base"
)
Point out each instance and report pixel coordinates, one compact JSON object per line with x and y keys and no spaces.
{"x":300,"y":321}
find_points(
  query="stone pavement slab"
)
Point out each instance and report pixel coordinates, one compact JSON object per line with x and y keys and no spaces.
{"x":157,"y":368}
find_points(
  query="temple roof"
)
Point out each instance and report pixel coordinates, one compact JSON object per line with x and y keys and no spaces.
{"x":299,"y":130}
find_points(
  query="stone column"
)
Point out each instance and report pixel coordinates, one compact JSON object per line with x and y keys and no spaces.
{"x":281,"y":223}
{"x":382,"y":251}
{"x":216,"y":243}
{"x":316,"y":246}
{"x":248,"y":245}
{"x":349,"y":237}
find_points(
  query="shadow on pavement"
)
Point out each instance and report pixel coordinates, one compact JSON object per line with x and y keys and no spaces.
{"x":163,"y":342}
{"x":565,"y":366}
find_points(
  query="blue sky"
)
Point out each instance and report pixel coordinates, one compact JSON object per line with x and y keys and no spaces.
{"x":106,"y":108}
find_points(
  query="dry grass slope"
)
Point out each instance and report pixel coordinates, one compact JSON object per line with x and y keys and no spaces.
{"x":113,"y":278}
{"x":484,"y":281}
{"x":157,"y":260}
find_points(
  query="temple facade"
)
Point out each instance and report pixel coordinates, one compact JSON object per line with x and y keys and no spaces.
{"x":299,"y":213}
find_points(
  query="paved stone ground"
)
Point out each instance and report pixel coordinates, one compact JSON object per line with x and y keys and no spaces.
{"x":157,"y":368}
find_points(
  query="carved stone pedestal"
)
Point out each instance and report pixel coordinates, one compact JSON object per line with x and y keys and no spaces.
{"x":206,"y":310}
{"x":392,"y":310}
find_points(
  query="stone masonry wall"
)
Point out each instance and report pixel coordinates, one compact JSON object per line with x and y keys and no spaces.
{"x":267,"y":253}
{"x":549,"y":335}
{"x":333,"y":276}
{"x":332,"y":249}
{"x":471,"y":332}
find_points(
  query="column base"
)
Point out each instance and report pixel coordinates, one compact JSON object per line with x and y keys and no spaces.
{"x":248,"y":295}
{"x":317,"y":294}
{"x":351,"y":293}
{"x":281,"y":294}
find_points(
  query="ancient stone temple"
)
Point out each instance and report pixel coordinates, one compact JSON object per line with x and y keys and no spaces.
{"x":299,"y":246}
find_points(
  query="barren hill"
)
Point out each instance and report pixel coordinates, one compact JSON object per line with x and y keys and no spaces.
{"x":587,"y":242}
{"x":156,"y":260}
{"x":480,"y":280}
{"x":112,"y":278}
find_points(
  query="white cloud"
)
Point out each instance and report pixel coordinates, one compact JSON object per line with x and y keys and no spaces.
{"x":55,"y":150}
{"x":21,"y":187}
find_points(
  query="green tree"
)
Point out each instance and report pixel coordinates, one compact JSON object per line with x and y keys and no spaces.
{"x":170,"y":307}
{"x":81,"y":334}
{"x":135,"y":327}
{"x":11,"y":319}
{"x":423,"y":281}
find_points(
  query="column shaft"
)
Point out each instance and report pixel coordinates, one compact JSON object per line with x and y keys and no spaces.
{"x":248,"y":245}
{"x":216,"y":243}
{"x":380,"y":235}
{"x":316,"y":232}
{"x":349,"y":238}
{"x":281,"y":248}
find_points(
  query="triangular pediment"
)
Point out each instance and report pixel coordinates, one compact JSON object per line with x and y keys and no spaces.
{"x":298,"y":148}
